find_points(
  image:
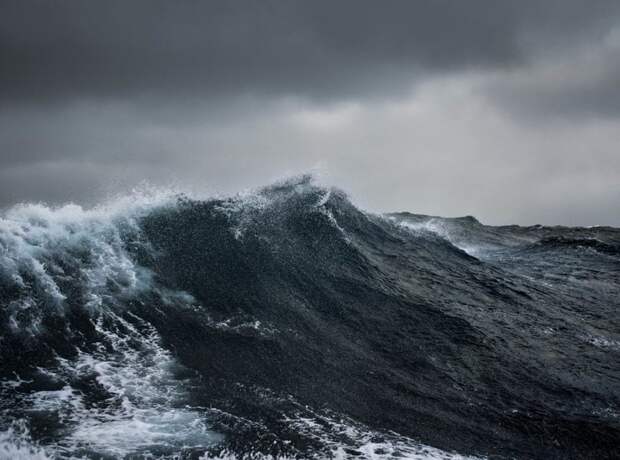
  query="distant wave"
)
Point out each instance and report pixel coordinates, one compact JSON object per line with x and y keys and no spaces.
{"x":287,"y":323}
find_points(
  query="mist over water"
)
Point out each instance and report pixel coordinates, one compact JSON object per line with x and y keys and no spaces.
{"x":287,"y":323}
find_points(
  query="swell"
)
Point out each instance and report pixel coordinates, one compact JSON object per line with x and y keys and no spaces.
{"x":282,"y":320}
{"x":561,"y":242}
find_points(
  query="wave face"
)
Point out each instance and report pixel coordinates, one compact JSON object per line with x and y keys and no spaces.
{"x":287,"y":323}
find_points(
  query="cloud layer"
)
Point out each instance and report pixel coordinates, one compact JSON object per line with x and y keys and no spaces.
{"x":506,"y":110}
{"x":77,"y":48}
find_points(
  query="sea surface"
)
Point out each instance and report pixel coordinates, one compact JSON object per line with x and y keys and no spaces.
{"x":287,"y":323}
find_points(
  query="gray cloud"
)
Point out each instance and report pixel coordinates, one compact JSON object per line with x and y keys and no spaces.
{"x":581,"y":82}
{"x":442,"y":149}
{"x":505,"y":110}
{"x":323,"y":49}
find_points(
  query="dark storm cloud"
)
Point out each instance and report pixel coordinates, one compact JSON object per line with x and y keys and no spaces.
{"x":581,"y":85}
{"x":59,"y":50}
{"x":438,"y":106}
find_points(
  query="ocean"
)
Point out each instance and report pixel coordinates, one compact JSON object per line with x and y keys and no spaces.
{"x":286,"y":323}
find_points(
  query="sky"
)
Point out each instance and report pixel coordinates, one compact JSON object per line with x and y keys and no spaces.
{"x":508,"y":111}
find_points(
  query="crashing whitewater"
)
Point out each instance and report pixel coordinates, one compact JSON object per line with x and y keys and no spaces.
{"x":287,"y":323}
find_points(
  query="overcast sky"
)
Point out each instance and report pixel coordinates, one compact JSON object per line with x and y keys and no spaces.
{"x":506,"y":110}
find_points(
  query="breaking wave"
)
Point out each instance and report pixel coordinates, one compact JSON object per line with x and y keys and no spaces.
{"x":287,"y":323}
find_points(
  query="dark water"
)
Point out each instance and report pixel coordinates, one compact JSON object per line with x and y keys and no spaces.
{"x":288,"y":323}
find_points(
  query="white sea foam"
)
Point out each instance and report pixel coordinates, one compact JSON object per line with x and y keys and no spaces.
{"x":143,"y":407}
{"x":44,"y":249}
{"x":347,"y":440}
{"x":39,"y":245}
{"x":320,"y":205}
{"x":16,"y":444}
{"x":599,"y":341}
{"x":441,"y":229}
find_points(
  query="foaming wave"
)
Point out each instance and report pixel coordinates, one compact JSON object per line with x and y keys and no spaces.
{"x":116,"y":391}
{"x":16,"y":444}
{"x":43,"y":248}
{"x":134,"y":402}
{"x":308,"y":329}
{"x":342,"y":438}
{"x":245,"y":208}
{"x":347,"y":440}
